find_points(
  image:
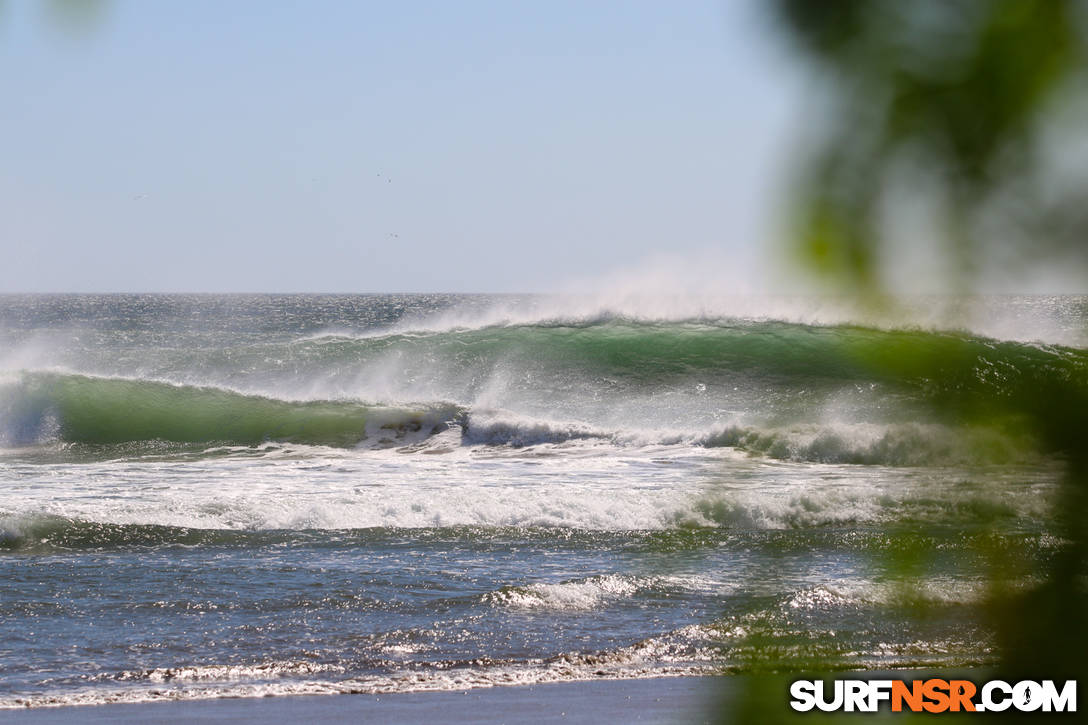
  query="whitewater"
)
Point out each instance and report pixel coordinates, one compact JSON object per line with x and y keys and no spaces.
{"x":232,"y":495}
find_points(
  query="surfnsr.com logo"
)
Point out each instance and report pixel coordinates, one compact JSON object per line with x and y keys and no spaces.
{"x":934,"y":695}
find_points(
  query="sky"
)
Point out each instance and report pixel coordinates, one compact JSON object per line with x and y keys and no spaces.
{"x":259,"y":146}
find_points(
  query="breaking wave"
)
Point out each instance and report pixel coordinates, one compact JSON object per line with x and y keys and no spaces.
{"x":737,"y":384}
{"x":84,"y":409}
{"x":80,"y":409}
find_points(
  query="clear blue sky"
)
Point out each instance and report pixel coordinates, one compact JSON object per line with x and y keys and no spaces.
{"x":265,"y":145}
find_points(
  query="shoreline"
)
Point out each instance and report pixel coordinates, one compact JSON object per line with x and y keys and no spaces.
{"x":650,"y":700}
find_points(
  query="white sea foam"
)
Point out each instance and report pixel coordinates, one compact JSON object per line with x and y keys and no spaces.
{"x":589,"y":593}
{"x":576,"y":486}
{"x":684,"y":652}
{"x":933,"y":589}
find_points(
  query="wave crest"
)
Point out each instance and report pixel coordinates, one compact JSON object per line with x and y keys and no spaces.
{"x":84,"y":409}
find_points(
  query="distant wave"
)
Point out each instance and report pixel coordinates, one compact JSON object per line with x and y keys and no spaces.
{"x":650,"y":352}
{"x":1032,"y":318}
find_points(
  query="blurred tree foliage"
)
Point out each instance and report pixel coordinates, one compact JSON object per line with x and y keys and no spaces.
{"x":959,"y":90}
{"x":74,"y":15}
{"x":962,"y":99}
{"x":71,"y":16}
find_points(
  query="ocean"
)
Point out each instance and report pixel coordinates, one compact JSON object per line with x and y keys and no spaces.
{"x":208,"y":496}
